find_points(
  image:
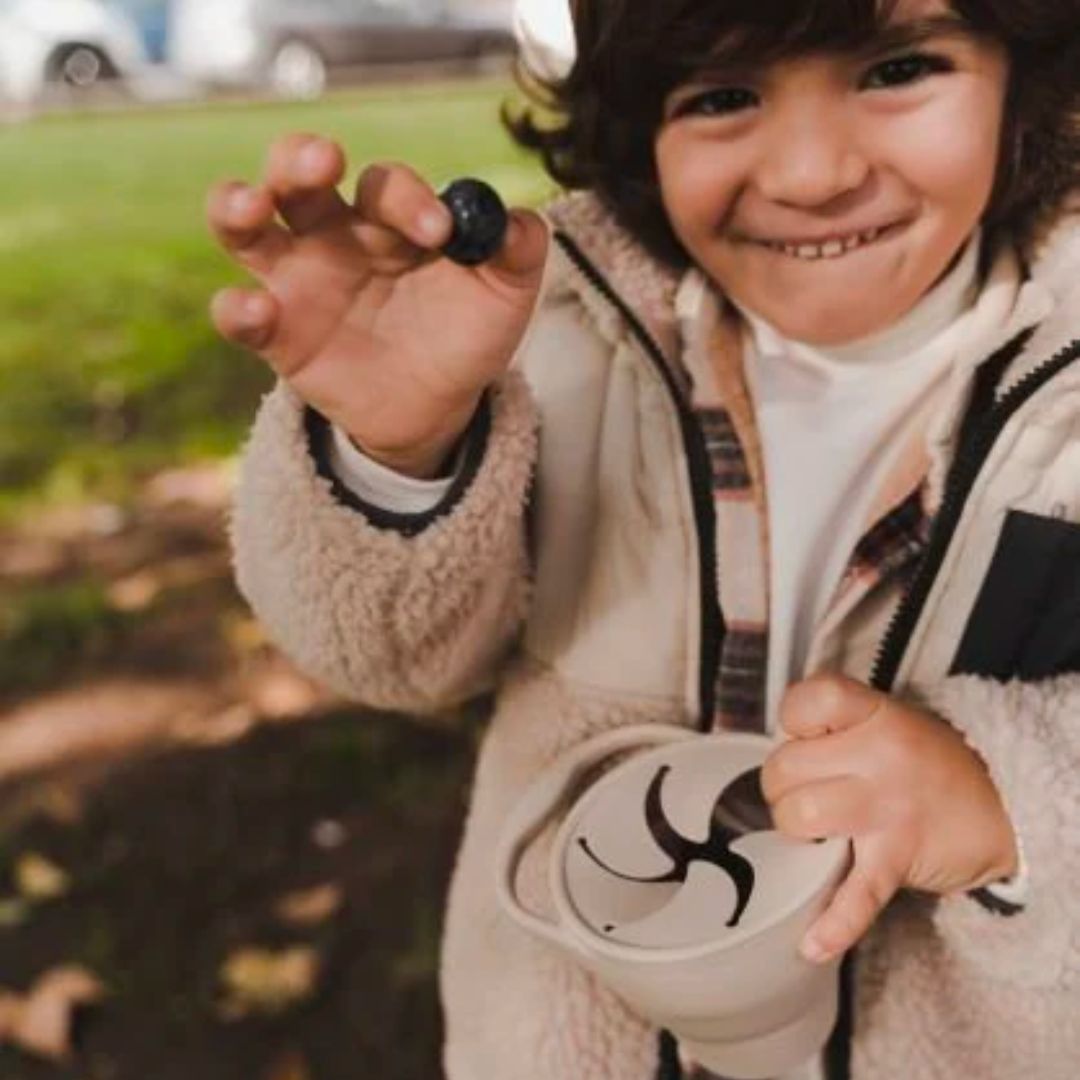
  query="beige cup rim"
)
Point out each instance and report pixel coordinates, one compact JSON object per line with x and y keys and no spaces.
{"x":591,"y":940}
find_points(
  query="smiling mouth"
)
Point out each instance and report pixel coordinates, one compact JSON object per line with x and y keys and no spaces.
{"x":835,"y":248}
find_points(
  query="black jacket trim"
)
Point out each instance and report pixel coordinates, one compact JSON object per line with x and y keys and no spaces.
{"x":699,"y":471}
{"x":994,"y":903}
{"x":669,"y":1067}
{"x":476,"y":439}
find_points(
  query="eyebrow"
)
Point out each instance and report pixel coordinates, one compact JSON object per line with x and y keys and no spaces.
{"x":726,"y":63}
{"x":916,"y":32}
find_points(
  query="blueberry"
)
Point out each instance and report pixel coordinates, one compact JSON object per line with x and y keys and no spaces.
{"x":480,"y":222}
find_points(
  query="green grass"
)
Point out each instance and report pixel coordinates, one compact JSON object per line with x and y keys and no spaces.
{"x":108,"y":365}
{"x":46,"y":630}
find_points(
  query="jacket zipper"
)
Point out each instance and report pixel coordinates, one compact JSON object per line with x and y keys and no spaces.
{"x":980,"y":431}
{"x":982,"y":427}
{"x":700,"y":475}
{"x":983,"y":424}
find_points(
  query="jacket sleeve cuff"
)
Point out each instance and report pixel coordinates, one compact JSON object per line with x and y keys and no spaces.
{"x":1028,"y":734}
{"x":412,"y":624}
{"x":1007,"y":897}
{"x":473,"y":446}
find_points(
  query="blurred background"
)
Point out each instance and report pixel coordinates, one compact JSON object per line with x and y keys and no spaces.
{"x":209,"y":867}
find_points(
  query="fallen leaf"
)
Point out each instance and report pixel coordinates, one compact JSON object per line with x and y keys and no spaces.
{"x":40,"y":1022}
{"x":243,"y":633}
{"x":309,"y":907}
{"x":61,"y":802}
{"x":278,"y":692}
{"x":10,"y":1010}
{"x":106,"y":519}
{"x":268,"y":981}
{"x":136,"y":592}
{"x":223,"y":729}
{"x":14,"y":911}
{"x":139,"y":590}
{"x":38,"y":879}
{"x":290,"y":1067}
{"x":198,"y":485}
{"x":329,"y":834}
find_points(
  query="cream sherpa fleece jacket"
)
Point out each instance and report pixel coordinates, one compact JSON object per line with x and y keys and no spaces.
{"x":571,"y":584}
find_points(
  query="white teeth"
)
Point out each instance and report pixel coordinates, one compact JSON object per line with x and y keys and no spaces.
{"x":832,"y":249}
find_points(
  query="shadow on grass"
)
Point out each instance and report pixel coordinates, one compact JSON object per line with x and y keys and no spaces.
{"x":179,"y":859}
{"x":52,"y":632}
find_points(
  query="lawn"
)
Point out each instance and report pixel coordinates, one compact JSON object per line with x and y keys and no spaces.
{"x":123,"y":616}
{"x":109,"y":368}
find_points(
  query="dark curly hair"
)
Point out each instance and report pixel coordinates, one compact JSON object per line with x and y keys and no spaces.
{"x":595,"y":129}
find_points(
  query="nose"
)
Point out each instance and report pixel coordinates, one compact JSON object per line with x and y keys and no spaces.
{"x":810,"y":157}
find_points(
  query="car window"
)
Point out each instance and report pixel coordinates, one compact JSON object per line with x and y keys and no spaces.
{"x":349,"y":10}
{"x":417,"y":10}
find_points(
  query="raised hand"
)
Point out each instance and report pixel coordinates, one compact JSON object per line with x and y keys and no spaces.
{"x":356,"y":307}
{"x":916,"y":801}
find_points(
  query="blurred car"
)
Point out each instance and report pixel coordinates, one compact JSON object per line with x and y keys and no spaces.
{"x":294,"y":46}
{"x":48,"y":44}
{"x":545,"y":32}
{"x":151,"y":19}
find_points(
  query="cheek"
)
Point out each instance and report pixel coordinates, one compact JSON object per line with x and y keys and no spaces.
{"x":698,"y":187}
{"x":950,"y":157}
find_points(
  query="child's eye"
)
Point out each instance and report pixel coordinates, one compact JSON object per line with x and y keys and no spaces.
{"x":904,"y":70}
{"x":721,"y":101}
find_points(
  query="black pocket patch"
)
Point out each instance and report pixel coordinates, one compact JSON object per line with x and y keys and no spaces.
{"x":1026,"y":620}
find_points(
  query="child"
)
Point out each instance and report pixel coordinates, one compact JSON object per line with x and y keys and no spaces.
{"x":775,"y":427}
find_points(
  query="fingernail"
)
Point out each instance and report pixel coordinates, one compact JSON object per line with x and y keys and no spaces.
{"x":253,"y":311}
{"x":813,"y":950}
{"x":240,"y":200}
{"x":432,"y":225}
{"x":312,"y":158}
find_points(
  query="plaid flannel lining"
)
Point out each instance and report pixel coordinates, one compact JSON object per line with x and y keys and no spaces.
{"x":895,"y":544}
{"x":888,"y":551}
{"x":740,"y":677}
{"x":891,"y":548}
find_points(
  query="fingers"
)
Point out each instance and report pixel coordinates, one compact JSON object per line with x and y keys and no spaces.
{"x":300,"y":186}
{"x":399,"y":212}
{"x":839,"y":806}
{"x":825,"y":704}
{"x":852,"y":911}
{"x":302,"y":173}
{"x":242,"y":219}
{"x":797,"y":762}
{"x":524,"y":254}
{"x":246,"y":317}
{"x":402,"y":217}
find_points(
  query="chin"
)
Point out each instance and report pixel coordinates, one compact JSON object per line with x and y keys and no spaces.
{"x":827,"y":325}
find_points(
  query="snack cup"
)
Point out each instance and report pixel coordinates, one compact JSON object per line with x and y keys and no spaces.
{"x":670,"y":884}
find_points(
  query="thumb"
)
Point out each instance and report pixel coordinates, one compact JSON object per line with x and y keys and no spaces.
{"x":851,"y":912}
{"x":521,"y":260}
{"x":826,"y":704}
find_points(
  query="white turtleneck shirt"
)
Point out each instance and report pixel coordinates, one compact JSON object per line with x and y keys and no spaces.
{"x":831,"y":419}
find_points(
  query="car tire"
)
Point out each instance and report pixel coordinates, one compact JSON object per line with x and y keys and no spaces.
{"x":80,"y":67}
{"x":297,"y":71}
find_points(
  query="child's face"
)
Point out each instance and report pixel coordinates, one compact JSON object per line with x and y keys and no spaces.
{"x":827,"y":194}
